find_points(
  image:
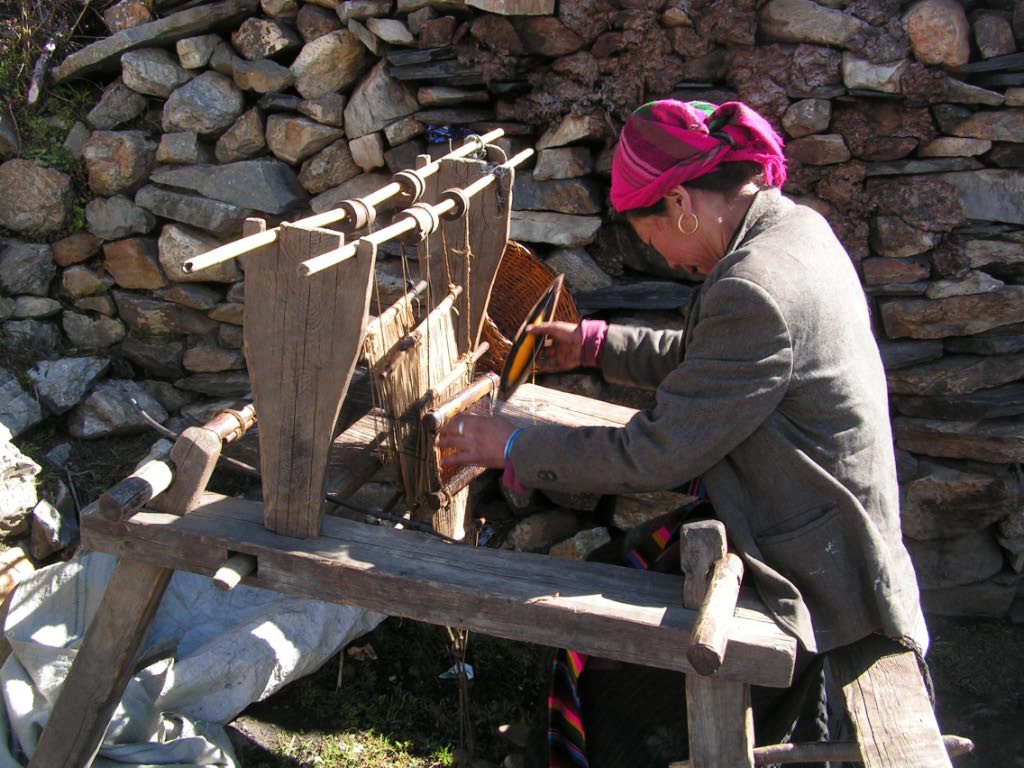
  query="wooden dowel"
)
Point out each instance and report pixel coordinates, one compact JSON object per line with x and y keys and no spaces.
{"x":436,"y":418}
{"x":235,"y":568}
{"x":829,"y":751}
{"x":458,"y":371}
{"x":152,"y":477}
{"x":405,"y":223}
{"x":373,"y":328}
{"x":252,"y":242}
{"x":440,"y":499}
{"x":711,"y":629}
{"x":231,"y":423}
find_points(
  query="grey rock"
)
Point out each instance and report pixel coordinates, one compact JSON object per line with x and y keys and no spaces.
{"x":31,"y":335}
{"x":581,"y":271}
{"x":293,"y":139}
{"x":994,"y":35}
{"x":538,"y":532}
{"x":195,"y":52}
{"x":223,"y":60}
{"x":6,"y":308}
{"x":153,"y":72}
{"x":160,"y":357}
{"x":807,"y":116}
{"x":263,"y":185}
{"x":803,"y":21}
{"x":954,"y":316}
{"x":19,"y":411}
{"x":59,"y":455}
{"x":328,"y":109}
{"x":866,"y":75}
{"x":633,"y":509}
{"x":313,"y":22}
{"x":208,"y":104}
{"x":111,"y":218}
{"x":262,"y":76}
{"x":377,"y":101}
{"x":577,"y":196}
{"x":329,"y":168}
{"x":26,"y":268}
{"x":571,"y":129}
{"x":194,"y":21}
{"x":209,"y":358}
{"x":165,"y":393}
{"x":368,"y":151}
{"x":228,"y":312}
{"x":994,"y":441}
{"x":959,"y":92}
{"x":580,"y":546}
{"x":900,"y":354}
{"x":52,"y":531}
{"x":102,"y":304}
{"x":993,"y":598}
{"x":178,"y":244}
{"x":1004,"y":340}
{"x":118,"y":161}
{"x":952,"y":146}
{"x":196,"y":296}
{"x":75,"y":248}
{"x":554,"y":228}
{"x":182,"y":148}
{"x":230,"y":336}
{"x":358,"y":186}
{"x":892,"y":237}
{"x":79,"y":281}
{"x":279,"y":102}
{"x":74,"y":142}
{"x":328,"y":64}
{"x":62,"y":384}
{"x":993,"y":125}
{"x":33,"y":308}
{"x":946,"y":501}
{"x":117,"y":105}
{"x":260,"y":38}
{"x":956,"y":375}
{"x":133,"y":263}
{"x":226,"y":384}
{"x":403,"y":130}
{"x":563,"y":163}
{"x":99,"y":332}
{"x":455,"y":116}
{"x":954,"y":561}
{"x":990,"y":195}
{"x":974,"y":282}
{"x":992,"y":403}
{"x":373,"y":43}
{"x":362,"y":9}
{"x":145,"y":315}
{"x":391,"y":31}
{"x":247,"y":137}
{"x":34,"y":200}
{"x":222,"y":219}
{"x":286,"y":10}
{"x":108,"y":411}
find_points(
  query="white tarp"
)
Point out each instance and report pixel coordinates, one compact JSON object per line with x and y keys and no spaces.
{"x":211,"y":654}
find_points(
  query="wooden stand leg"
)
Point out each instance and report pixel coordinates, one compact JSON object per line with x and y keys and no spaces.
{"x":100,"y":673}
{"x":721,"y":725}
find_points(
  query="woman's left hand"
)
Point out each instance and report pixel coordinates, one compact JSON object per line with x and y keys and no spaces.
{"x":476,"y":440}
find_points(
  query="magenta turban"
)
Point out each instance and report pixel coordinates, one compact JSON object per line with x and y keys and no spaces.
{"x":666,"y":143}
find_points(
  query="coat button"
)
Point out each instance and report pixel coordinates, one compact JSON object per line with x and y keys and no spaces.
{"x":546,"y":474}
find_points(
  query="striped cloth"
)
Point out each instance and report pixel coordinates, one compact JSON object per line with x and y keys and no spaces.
{"x":567,"y":740}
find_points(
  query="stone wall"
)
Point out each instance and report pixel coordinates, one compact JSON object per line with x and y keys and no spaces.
{"x":902,"y":124}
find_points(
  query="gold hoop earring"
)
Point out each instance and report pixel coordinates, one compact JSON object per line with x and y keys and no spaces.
{"x":679,"y":223}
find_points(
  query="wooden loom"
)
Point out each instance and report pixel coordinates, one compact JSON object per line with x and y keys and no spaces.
{"x":307,"y":298}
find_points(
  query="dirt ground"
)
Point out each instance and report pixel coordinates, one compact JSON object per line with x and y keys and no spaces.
{"x":977,"y":667}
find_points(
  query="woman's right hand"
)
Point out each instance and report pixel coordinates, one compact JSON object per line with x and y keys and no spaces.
{"x":563,"y":349}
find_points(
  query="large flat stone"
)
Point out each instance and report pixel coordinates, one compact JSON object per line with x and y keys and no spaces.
{"x":34,"y":199}
{"x":377,"y":101}
{"x":329,"y":64}
{"x":578,"y":196}
{"x":222,"y":219}
{"x":990,"y":195}
{"x":61,"y":384}
{"x":19,"y":411}
{"x":106,"y":53}
{"x":108,"y":411}
{"x":956,"y":375}
{"x":26,"y":268}
{"x":996,"y":441}
{"x":263,"y":185}
{"x":953,"y":316}
{"x":803,"y":21}
{"x":92,"y":331}
{"x":178,"y":244}
{"x":154,"y":317}
{"x":955,"y":561}
{"x":209,"y":104}
{"x":996,"y":402}
{"x":1004,"y":340}
{"x":554,"y":228}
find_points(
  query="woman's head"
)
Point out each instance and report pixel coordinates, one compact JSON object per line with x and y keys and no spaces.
{"x":680,"y":164}
{"x":667,"y":143}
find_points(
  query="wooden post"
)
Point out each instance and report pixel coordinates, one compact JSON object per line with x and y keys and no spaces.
{"x":718,"y":714}
{"x":302,"y":339}
{"x":194,"y":457}
{"x":488,"y":218}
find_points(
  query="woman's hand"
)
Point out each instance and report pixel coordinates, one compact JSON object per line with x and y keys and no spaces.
{"x":563,"y":349}
{"x":476,"y":440}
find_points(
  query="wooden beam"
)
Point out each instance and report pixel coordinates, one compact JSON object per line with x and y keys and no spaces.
{"x":302,"y":340}
{"x":635,"y":616}
{"x":103,"y":665}
{"x":888,"y":705}
{"x":194,"y":457}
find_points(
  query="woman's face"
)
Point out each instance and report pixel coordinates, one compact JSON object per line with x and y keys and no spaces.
{"x":661,"y":231}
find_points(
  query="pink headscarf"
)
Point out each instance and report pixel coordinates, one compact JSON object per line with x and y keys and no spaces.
{"x":666,"y":143}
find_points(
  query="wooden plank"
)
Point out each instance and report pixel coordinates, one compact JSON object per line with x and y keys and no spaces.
{"x":302,"y":339}
{"x":605,"y":610}
{"x":719,"y":722}
{"x":93,"y":688}
{"x":488,"y":227}
{"x":194,"y":457}
{"x":888,"y":705}
{"x":533,"y":404}
{"x":355,"y":454}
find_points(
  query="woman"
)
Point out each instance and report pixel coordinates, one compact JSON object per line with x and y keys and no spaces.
{"x":774,"y":392}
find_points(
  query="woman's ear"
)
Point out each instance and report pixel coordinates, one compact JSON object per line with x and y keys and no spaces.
{"x":678,"y":200}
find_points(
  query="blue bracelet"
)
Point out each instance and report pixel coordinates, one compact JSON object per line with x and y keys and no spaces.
{"x":510,"y":441}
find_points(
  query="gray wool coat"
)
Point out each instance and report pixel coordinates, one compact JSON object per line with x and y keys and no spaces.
{"x":775,"y":394}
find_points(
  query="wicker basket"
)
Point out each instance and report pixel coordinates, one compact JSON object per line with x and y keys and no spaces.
{"x":522,"y":278}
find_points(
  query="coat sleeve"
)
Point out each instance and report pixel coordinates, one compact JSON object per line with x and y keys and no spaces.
{"x":735,"y":372}
{"x":640,"y":357}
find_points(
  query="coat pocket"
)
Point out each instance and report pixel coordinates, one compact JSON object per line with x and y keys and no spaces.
{"x":825,"y":563}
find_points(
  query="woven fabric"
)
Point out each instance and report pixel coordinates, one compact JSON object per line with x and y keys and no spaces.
{"x":668,"y":142}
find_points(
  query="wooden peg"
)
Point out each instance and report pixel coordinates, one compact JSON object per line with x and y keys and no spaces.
{"x":235,"y":568}
{"x":152,"y":477}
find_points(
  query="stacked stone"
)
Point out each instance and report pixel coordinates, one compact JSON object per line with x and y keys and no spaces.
{"x":902,"y":125}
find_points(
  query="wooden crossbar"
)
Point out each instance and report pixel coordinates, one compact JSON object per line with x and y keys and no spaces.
{"x":636,"y":616}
